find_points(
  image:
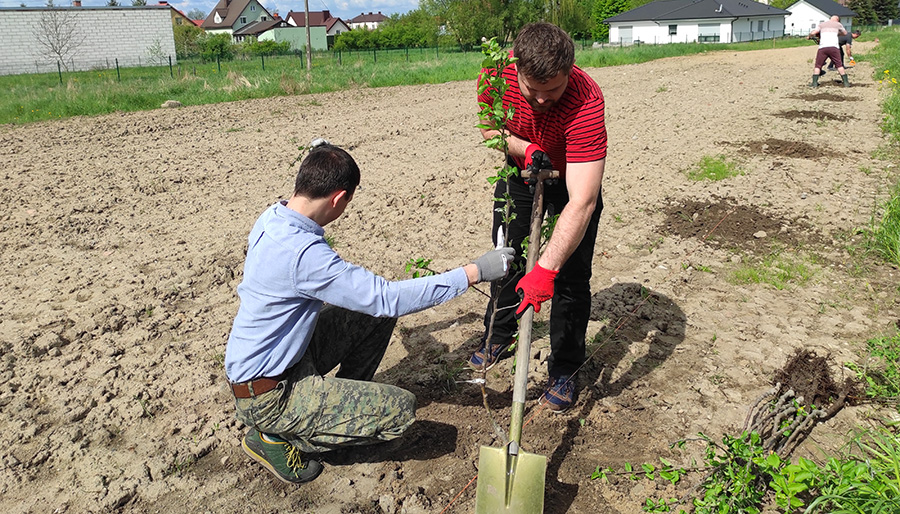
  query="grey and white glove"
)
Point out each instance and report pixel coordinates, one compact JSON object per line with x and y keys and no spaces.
{"x":494,"y":264}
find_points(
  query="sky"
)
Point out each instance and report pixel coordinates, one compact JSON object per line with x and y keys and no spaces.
{"x":344,"y":9}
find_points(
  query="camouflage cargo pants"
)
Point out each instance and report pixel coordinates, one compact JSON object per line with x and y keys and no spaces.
{"x":318,"y":413}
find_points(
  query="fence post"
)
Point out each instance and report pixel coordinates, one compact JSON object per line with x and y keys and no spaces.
{"x":171,"y":73}
{"x":219,"y":64}
{"x":118,"y":75}
{"x":374,"y":56}
{"x":59,"y":69}
{"x":263,"y":58}
{"x":407,"y":53}
{"x":340,"y":58}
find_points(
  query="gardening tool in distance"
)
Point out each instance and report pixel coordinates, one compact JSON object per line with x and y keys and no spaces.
{"x":509,"y":479}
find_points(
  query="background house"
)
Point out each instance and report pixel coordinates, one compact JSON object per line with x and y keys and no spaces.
{"x":229,"y":16}
{"x":808,"y":14}
{"x":705,"y":21}
{"x":103,"y":37}
{"x":333,"y":26}
{"x":368,"y":21}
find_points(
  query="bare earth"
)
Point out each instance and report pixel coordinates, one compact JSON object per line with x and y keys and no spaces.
{"x":123,"y":238}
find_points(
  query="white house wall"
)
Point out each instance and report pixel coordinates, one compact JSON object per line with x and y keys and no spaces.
{"x":688,"y":31}
{"x":804,"y":18}
{"x":128,"y":34}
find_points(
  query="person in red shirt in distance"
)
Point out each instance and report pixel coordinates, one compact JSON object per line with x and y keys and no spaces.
{"x":558,"y":123}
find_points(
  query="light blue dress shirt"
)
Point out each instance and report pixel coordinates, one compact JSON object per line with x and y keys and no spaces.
{"x":289,"y":273}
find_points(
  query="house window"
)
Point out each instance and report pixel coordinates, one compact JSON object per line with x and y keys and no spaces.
{"x":177,"y":21}
{"x":243,"y":19}
{"x":759,"y":26}
{"x":263,"y":18}
{"x":708,"y":33}
{"x":252,"y":7}
{"x":673,"y":29}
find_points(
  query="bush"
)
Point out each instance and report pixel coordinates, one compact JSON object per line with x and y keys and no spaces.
{"x":216,"y":46}
{"x":267,"y":47}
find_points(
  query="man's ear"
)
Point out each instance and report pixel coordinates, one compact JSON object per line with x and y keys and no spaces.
{"x":337,"y":196}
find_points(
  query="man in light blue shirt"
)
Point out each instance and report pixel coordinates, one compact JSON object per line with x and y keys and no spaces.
{"x":305,"y":311}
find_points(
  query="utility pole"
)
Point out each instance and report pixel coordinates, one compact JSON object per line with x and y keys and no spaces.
{"x":308,"y":44}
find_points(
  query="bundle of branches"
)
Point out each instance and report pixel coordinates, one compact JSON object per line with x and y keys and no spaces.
{"x":804,"y":394}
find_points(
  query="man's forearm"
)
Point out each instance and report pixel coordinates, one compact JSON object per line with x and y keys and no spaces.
{"x":567,"y":235}
{"x":515,"y":144}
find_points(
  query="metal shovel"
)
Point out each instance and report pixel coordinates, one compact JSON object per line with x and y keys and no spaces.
{"x":509,"y":479}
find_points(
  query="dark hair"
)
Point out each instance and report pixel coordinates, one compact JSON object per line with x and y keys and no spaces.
{"x":857,"y":32}
{"x":325,"y":170}
{"x":543,"y":51}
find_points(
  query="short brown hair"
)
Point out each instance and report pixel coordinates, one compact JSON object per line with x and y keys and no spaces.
{"x":543,"y":51}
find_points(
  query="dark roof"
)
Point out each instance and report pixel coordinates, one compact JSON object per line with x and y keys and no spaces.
{"x":316,"y":18}
{"x":828,"y":7}
{"x":664,"y":10}
{"x":258,"y":27}
{"x":228,"y":10}
{"x":369,"y":18}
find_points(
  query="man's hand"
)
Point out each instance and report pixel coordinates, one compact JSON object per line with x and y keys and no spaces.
{"x":536,"y":287}
{"x":494,"y":264}
{"x":536,"y":159}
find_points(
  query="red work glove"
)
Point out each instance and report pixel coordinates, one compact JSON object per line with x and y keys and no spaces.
{"x":536,"y":287}
{"x":536,"y":158}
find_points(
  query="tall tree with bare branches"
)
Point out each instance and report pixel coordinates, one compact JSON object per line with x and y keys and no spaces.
{"x":58,"y":34}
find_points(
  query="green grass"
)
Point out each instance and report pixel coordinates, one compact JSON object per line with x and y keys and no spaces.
{"x":43,"y":96}
{"x":881,"y":371}
{"x":777,"y":269}
{"x":883,"y":234}
{"x":714,"y":168}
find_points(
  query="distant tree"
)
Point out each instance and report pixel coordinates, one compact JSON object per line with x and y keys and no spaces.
{"x":604,"y":9}
{"x":112,"y":3}
{"x":58,"y":34}
{"x":782,"y":4}
{"x":196,"y":14}
{"x":213,"y":46}
{"x":187,"y":40}
{"x":885,"y":10}
{"x":138,"y":3}
{"x":865,"y":12}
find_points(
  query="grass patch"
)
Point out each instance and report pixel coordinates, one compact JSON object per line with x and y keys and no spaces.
{"x":714,"y":168}
{"x":881,"y":370}
{"x":777,"y":270}
{"x":883,"y":233}
{"x":44,"y":96}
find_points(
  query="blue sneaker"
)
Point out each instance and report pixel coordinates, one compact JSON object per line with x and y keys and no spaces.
{"x":559,"y":394}
{"x":481,"y":357}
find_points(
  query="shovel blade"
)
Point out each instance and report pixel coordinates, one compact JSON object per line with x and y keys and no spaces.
{"x":510,"y":483}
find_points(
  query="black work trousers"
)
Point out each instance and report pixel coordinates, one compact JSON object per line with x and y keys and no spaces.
{"x":571,"y":303}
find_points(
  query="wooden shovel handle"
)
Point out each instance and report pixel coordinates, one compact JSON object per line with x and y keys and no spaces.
{"x":523,"y":352}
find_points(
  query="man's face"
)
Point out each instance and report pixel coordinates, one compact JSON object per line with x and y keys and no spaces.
{"x":542,"y":96}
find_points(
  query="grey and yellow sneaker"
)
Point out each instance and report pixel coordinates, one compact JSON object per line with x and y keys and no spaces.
{"x":280,"y":457}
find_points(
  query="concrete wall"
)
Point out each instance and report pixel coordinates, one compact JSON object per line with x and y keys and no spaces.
{"x":136,"y":36}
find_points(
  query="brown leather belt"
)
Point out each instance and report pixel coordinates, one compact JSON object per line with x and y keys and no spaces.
{"x":254,"y":387}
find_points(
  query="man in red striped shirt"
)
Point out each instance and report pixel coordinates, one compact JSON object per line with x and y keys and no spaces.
{"x":558,"y":116}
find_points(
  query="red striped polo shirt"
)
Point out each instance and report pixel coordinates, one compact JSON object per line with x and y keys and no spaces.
{"x":572,"y":131}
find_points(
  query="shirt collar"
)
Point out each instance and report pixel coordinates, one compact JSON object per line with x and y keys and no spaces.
{"x":282,"y":210}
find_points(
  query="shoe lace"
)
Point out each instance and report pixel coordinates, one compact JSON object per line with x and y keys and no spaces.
{"x":294,"y":459}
